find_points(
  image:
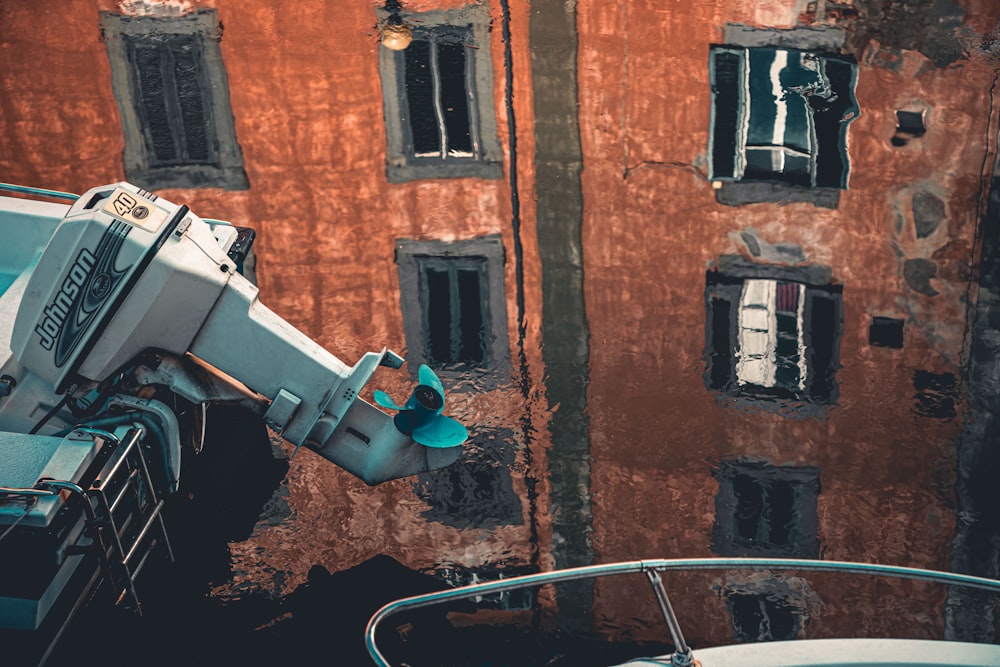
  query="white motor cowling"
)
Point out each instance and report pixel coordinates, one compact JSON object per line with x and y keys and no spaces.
{"x":129,"y":280}
{"x":97,"y":298}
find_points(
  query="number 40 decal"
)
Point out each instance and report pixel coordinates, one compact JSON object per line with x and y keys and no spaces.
{"x":135,"y":210}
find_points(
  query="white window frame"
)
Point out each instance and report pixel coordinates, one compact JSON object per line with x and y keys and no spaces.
{"x":757,"y":356}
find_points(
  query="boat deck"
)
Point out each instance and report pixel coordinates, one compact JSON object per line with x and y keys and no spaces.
{"x":855,"y":652}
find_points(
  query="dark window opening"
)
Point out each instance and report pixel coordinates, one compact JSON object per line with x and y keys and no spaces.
{"x":453,"y":306}
{"x":455,"y":92}
{"x":726,"y":95}
{"x":420,"y":98}
{"x":438,"y":89}
{"x":886,"y":332}
{"x":453,"y":299}
{"x":721,"y":367}
{"x":169,"y":73}
{"x":936,"y":394}
{"x":909,"y":125}
{"x":173,"y":97}
{"x":911,"y":122}
{"x":824,"y":332}
{"x":772,"y":338}
{"x":761,"y":617}
{"x":763,"y":509}
{"x":788,"y":333}
{"x":780,"y":115}
{"x":438,"y":99}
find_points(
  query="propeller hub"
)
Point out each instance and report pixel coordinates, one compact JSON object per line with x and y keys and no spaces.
{"x":428,"y":398}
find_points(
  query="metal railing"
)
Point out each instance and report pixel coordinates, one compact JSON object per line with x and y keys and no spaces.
{"x":40,"y":192}
{"x":682,"y":656}
{"x":124,"y":520}
{"x":69,"y":196}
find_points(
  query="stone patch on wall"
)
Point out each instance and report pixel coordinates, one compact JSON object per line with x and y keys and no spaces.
{"x":918,"y":273}
{"x":928,"y":213}
{"x":807,"y":38}
{"x":779,"y":253}
{"x":738,"y":194}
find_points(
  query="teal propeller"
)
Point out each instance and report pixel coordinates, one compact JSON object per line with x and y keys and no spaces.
{"x":421,"y":418}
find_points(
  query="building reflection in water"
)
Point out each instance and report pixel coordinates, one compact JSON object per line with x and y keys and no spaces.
{"x":701,"y":279}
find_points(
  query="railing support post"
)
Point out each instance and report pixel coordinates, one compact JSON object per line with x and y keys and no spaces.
{"x":681,"y":656}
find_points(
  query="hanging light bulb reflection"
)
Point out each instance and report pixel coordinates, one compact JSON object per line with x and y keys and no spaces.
{"x":396,"y":34}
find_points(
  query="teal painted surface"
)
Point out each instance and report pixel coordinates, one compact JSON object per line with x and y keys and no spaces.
{"x":6,"y":280}
{"x":25,"y":228}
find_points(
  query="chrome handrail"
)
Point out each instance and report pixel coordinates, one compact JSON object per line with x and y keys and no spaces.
{"x":654,"y":566}
{"x":42,"y":192}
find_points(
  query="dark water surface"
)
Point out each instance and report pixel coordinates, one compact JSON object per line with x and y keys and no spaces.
{"x":321,"y":621}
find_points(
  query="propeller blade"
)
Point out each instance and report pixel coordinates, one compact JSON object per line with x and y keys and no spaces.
{"x":427,"y":377}
{"x":386,"y":401}
{"x":441,"y":432}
